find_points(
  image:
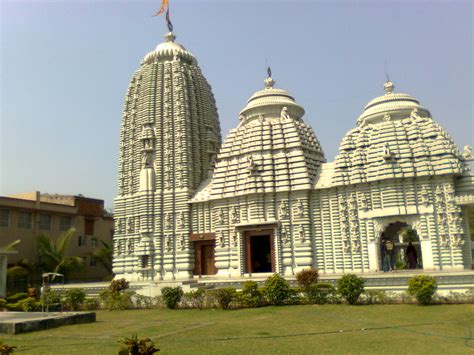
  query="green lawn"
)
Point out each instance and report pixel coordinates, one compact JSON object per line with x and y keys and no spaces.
{"x":447,"y":329}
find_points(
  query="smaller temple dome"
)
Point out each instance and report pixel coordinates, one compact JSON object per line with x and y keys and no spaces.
{"x":271,"y":96}
{"x":397,"y":105}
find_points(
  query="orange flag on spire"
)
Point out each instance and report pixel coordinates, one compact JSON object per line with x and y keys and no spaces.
{"x":164,"y":4}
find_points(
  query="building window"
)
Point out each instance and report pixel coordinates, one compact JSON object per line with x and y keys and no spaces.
{"x":82,"y":240}
{"x":145,"y":261}
{"x":65,"y":222}
{"x":25,"y":220}
{"x":88,"y":226}
{"x":4,"y":218}
{"x":93,"y":261}
{"x":45,"y":221}
{"x":94,"y":241}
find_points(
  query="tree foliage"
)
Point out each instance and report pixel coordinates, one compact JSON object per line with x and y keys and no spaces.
{"x":104,"y":255}
{"x":277,"y":290}
{"x":52,"y":254}
{"x":350,"y":287}
{"x":423,"y":287}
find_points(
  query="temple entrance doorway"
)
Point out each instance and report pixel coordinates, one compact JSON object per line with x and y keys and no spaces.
{"x":400,"y":248}
{"x":204,"y":261}
{"x":259,"y":252}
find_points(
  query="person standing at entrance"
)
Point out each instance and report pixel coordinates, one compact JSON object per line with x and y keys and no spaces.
{"x":390,"y":253}
{"x":385,"y":258}
{"x":411,"y":256}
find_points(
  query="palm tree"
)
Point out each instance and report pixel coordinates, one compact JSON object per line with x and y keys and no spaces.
{"x":11,"y":246}
{"x":104,"y":255}
{"x":52,"y":254}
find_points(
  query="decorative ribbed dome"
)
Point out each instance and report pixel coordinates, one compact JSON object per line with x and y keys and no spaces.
{"x":271,"y":96}
{"x":169,"y":50}
{"x":397,"y":105}
{"x":272,"y":150}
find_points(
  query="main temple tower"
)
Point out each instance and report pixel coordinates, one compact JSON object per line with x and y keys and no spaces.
{"x":169,"y":138}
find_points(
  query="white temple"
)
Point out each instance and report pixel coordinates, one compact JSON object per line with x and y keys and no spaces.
{"x":266,"y":200}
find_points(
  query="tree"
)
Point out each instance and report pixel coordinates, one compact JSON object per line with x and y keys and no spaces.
{"x":11,"y":246}
{"x":104,"y":255}
{"x":52,"y":254}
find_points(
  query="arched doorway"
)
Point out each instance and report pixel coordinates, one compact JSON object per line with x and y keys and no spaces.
{"x":402,"y":243}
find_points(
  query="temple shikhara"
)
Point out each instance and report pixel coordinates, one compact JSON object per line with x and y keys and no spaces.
{"x":265,"y":199}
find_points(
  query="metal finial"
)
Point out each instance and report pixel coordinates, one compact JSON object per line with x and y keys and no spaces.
{"x":386,"y":73}
{"x":269,"y":82}
{"x":388,"y":87}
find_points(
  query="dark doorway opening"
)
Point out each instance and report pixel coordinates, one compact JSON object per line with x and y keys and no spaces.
{"x":204,"y":261}
{"x":405,"y":248}
{"x":259,"y":252}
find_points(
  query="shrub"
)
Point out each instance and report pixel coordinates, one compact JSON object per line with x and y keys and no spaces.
{"x":135,"y":346}
{"x":91,"y":304}
{"x":196,"y":298}
{"x":350,"y":287}
{"x":224,"y":296}
{"x":423,"y":287}
{"x":306,"y":278}
{"x":277,"y":290}
{"x":141,"y":301}
{"x":17,"y":297}
{"x":74,"y":298}
{"x":6,"y":349}
{"x":118,"y":285}
{"x":117,"y":300}
{"x":250,"y":296}
{"x":52,"y":300}
{"x":28,"y":304}
{"x":3,"y":304}
{"x":320,"y":293}
{"x":172,"y":296}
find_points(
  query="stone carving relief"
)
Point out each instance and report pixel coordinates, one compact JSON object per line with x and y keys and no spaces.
{"x":299,"y":210}
{"x":234,"y":215}
{"x":220,"y":216}
{"x":221,"y":239}
{"x":284,"y":235}
{"x":356,"y":245}
{"x":444,"y":240}
{"x":131,"y":246}
{"x":387,"y":153}
{"x":168,"y":220}
{"x":283,"y":210}
{"x":414,"y":114}
{"x":425,"y":196}
{"x":130,"y":224}
{"x":457,"y":240}
{"x":167,"y":243}
{"x":302,"y":234}
{"x":467,"y":152}
{"x":235,"y":238}
{"x":180,"y":219}
{"x":364,"y":202}
{"x":284,"y":116}
{"x":387,"y":117}
{"x":346,"y":245}
{"x":251,"y":166}
{"x":182,"y":241}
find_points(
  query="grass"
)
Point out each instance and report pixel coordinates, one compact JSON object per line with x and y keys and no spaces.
{"x":447,"y":329}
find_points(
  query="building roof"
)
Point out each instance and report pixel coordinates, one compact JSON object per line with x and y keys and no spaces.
{"x":272,"y":149}
{"x":395,"y":137}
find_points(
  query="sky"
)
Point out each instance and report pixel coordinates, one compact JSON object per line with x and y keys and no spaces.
{"x":65,"y":68}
